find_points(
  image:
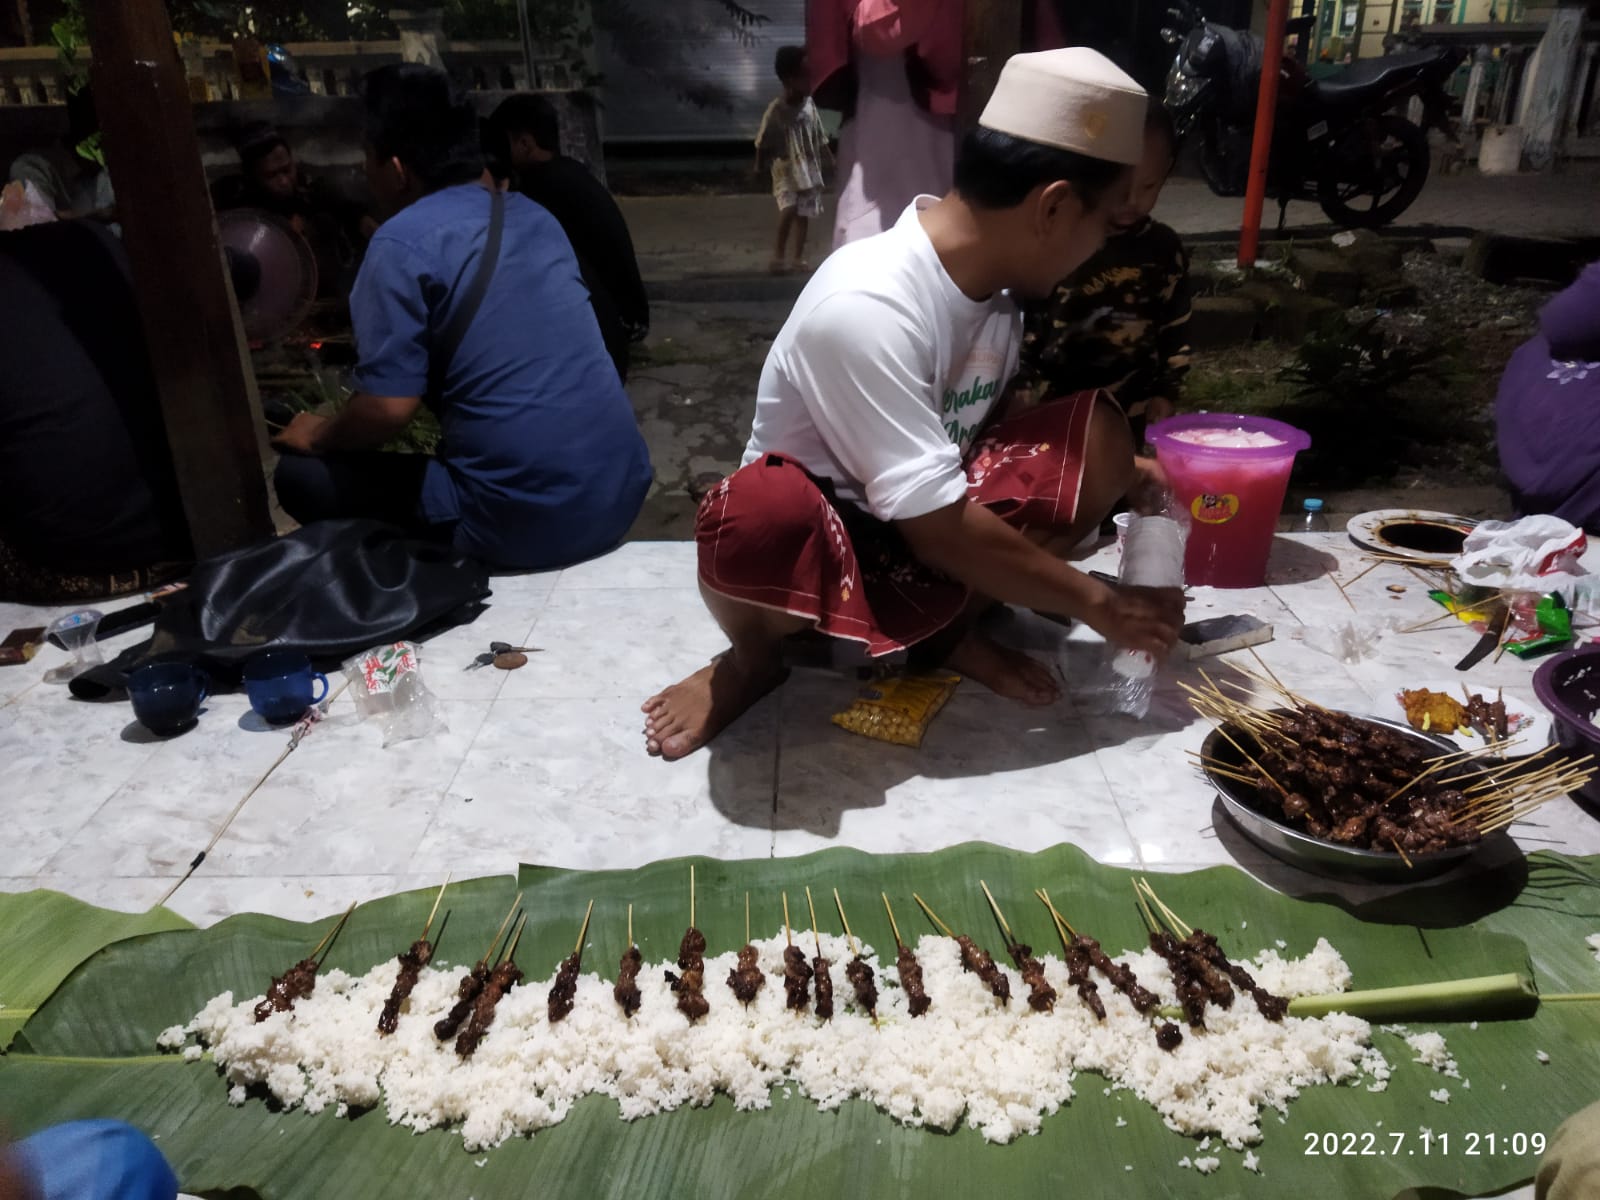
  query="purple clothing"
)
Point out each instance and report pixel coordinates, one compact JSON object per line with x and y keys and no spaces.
{"x":1547,"y":412}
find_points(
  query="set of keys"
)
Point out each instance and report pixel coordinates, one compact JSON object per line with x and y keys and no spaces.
{"x":503,"y":656}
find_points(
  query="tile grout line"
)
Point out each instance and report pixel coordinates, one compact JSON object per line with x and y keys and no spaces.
{"x":454,"y":775}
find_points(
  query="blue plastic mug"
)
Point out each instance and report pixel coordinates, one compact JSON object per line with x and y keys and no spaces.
{"x":167,"y":696}
{"x":281,"y":686}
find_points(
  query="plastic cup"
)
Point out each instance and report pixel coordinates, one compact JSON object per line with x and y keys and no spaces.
{"x":1233,"y":494}
{"x":1122,"y":520}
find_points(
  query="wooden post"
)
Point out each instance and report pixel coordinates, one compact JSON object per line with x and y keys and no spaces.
{"x":991,"y":33}
{"x":186,"y":306}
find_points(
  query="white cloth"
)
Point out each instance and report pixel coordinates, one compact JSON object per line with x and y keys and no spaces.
{"x":883,"y":373}
{"x":890,"y":152}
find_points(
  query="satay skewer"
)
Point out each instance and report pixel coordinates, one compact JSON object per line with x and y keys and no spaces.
{"x":690,"y":986}
{"x":505,"y":976}
{"x":1041,"y":995}
{"x":565,"y":985}
{"x":300,"y":980}
{"x":626,"y":990}
{"x":820,"y":966}
{"x":473,"y":981}
{"x":796,"y":971}
{"x":910,"y":969}
{"x":974,"y":958}
{"x":417,"y":956}
{"x":745,"y":980}
{"x":858,"y":971}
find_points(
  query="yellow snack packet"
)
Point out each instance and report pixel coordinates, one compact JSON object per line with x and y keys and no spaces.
{"x":899,"y":710}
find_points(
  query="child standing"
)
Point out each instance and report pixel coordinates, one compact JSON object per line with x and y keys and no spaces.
{"x":793,"y":141}
{"x":1120,"y":321}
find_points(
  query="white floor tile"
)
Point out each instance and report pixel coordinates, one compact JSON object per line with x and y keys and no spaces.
{"x":635,"y":565}
{"x":205,"y":901}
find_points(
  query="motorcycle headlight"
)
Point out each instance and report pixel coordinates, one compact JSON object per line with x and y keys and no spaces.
{"x":1182,"y":88}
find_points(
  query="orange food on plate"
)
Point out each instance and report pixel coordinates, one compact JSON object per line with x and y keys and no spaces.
{"x":1433,"y":712}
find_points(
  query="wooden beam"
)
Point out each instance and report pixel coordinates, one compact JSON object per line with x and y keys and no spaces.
{"x":190,"y":321}
{"x":991,"y":33}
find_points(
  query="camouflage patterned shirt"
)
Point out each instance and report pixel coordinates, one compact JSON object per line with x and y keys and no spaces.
{"x":1119,"y":322}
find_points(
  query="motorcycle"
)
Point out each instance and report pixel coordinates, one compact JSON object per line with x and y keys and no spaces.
{"x":1337,"y":141}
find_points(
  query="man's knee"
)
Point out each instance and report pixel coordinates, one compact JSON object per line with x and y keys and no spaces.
{"x":766,"y":513}
{"x":1108,"y":457}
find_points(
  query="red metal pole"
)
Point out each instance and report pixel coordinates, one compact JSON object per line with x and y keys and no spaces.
{"x":1261,"y":146}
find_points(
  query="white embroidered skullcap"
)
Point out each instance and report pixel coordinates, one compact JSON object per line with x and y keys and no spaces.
{"x":1074,"y":99}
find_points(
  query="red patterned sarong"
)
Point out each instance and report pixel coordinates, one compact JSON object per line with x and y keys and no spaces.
{"x":771,"y":534}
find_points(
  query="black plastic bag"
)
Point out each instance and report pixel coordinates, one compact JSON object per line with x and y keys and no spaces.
{"x":329,"y":590}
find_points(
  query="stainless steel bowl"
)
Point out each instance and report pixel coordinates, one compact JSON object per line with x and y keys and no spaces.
{"x":1267,"y":829}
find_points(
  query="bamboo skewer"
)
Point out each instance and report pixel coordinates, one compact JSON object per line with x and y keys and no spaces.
{"x":893,"y":928}
{"x":435,"y":910}
{"x":787,"y":936}
{"x":998,"y":915}
{"x":516,"y":936}
{"x":1401,"y":851}
{"x":816,"y":934}
{"x":630,"y":926}
{"x":1144,"y":909}
{"x":328,"y":938}
{"x":850,"y":938}
{"x":1179,"y":926}
{"x":932,"y":916}
{"x":1066,"y":931}
{"x":691,"y":896}
{"x":747,"y":918}
{"x":584,"y":932}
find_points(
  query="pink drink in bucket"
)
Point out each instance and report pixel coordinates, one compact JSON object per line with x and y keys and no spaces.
{"x":1230,"y":473}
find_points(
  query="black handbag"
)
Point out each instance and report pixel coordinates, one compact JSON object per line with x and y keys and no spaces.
{"x":329,"y":590}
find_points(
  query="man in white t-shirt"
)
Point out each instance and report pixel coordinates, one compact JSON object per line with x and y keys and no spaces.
{"x":886,"y":494}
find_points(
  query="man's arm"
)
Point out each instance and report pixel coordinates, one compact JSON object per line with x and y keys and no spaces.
{"x":365,"y":423}
{"x":968,"y":542}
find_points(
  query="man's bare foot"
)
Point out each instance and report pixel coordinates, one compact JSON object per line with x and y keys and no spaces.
{"x":1005,"y":672}
{"x":691,"y":712}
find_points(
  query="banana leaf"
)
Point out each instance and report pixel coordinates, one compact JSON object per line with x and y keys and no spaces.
{"x":90,"y":1050}
{"x":44,"y":935}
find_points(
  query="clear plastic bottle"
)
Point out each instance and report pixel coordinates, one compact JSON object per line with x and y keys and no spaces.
{"x":1152,"y":557}
{"x":1314,"y":520}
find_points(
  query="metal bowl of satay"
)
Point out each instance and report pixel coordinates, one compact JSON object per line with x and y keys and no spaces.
{"x":1362,"y":797}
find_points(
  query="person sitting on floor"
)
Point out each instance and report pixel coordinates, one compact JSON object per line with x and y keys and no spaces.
{"x":887,"y":492}
{"x":529,"y":132}
{"x":272,"y":179}
{"x":1547,"y":412}
{"x":469,"y":301}
{"x":70,"y":174}
{"x":1121,"y":320}
{"x":90,"y":506}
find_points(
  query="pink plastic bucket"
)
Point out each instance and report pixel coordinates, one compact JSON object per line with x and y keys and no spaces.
{"x":1233,"y":495}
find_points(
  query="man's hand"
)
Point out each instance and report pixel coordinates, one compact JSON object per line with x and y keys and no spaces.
{"x":1138,"y":618}
{"x":1157,"y":408}
{"x":302,"y":435}
{"x":1151,"y":486}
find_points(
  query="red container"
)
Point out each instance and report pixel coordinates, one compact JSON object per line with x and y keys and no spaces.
{"x":1233,"y":494}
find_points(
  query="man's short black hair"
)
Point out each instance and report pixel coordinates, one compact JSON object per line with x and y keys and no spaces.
{"x":527,"y":113}
{"x":255,"y":142}
{"x":415,"y":114}
{"x":1158,"y":120}
{"x":789,"y":62}
{"x":996,"y":170}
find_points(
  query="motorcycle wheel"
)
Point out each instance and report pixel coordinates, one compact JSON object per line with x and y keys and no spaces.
{"x":1376,"y":175}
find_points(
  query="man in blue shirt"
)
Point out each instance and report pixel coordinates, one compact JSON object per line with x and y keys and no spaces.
{"x":540,"y":462}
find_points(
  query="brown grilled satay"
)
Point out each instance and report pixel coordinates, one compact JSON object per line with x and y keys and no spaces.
{"x":1168,"y":1036}
{"x":627,"y":988}
{"x":1077,"y":960}
{"x":1041,"y":996}
{"x":501,"y":980}
{"x":1273,"y":1008}
{"x":466,"y":992}
{"x":692,"y":951}
{"x":298,"y":982}
{"x":976,"y":959}
{"x":746,"y":979}
{"x":1122,"y":977}
{"x":1191,"y":992}
{"x":859,"y":972}
{"x":565,"y":986}
{"x":910,"y":970}
{"x":411,"y":963}
{"x":690,"y":987}
{"x":820,"y":971}
{"x":796,"y":978}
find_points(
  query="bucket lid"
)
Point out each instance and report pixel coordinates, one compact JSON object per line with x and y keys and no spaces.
{"x":1291,"y":440}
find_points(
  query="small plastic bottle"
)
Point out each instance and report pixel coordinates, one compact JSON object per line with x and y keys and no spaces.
{"x":1314,"y":519}
{"x":1153,"y":557}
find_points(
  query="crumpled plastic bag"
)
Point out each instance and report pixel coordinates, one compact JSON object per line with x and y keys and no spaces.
{"x":386,"y":685}
{"x":1535,"y":554}
{"x":22,"y":204}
